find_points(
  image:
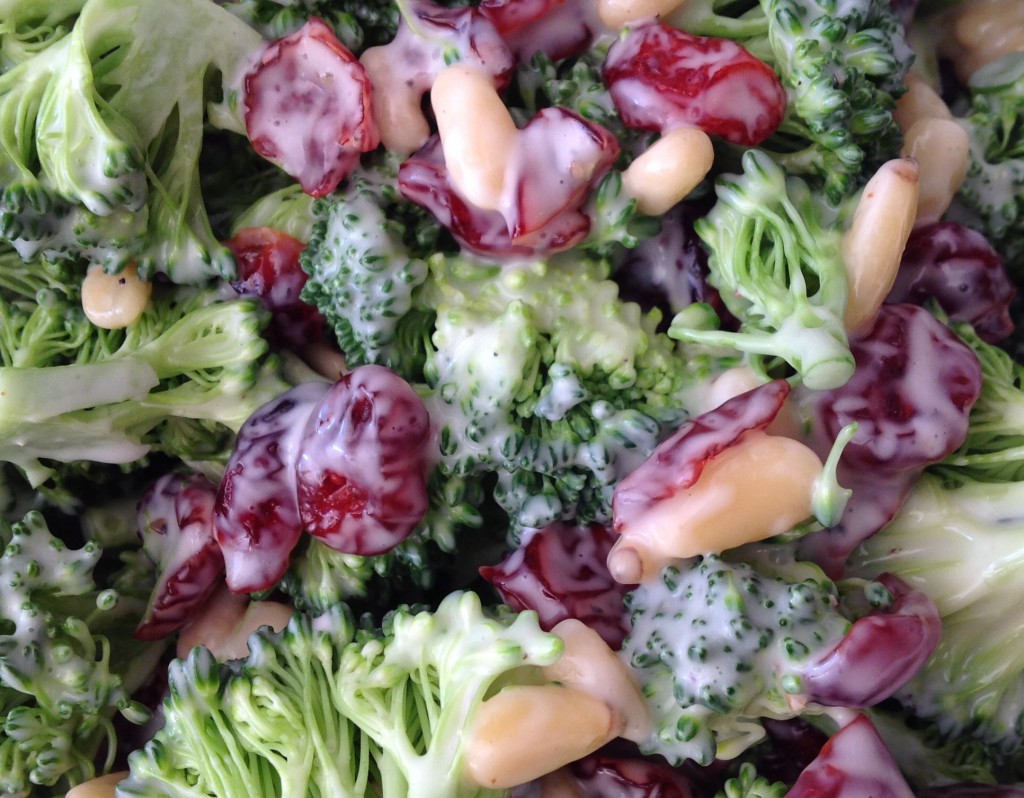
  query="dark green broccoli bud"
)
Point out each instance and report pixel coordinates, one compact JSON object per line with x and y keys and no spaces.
{"x":775,"y":256}
{"x":362,"y":276}
{"x":61,"y":683}
{"x":325,"y":709}
{"x":748,"y":784}
{"x":994,"y":186}
{"x":843,"y":67}
{"x":358,"y":24}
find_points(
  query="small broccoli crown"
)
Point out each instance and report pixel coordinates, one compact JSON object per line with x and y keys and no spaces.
{"x":961,"y":545}
{"x":717,"y":645}
{"x":775,"y":257}
{"x":995,"y":171}
{"x":363,"y":278}
{"x":993,"y":450}
{"x":542,"y":375}
{"x":747,"y":783}
{"x":59,"y":687}
{"x":324,"y":709}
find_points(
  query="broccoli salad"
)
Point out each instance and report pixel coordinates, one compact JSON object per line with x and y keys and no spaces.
{"x":511,"y":398}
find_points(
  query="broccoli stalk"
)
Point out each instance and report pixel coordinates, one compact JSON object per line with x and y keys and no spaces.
{"x":775,"y":256}
{"x":94,"y":163}
{"x":325,"y":709}
{"x":842,"y":65}
{"x":61,"y":682}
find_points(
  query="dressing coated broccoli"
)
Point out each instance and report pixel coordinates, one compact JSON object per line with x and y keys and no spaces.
{"x":326,"y":709}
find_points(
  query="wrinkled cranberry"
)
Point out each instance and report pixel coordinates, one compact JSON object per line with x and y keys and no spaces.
{"x":957,"y":267}
{"x":309,"y":108}
{"x":661,"y":78}
{"x":558,"y":28}
{"x":176,"y":526}
{"x":256,"y":517}
{"x":880,"y":652}
{"x":603,"y":776}
{"x":268,"y":266}
{"x":560,"y":572}
{"x":362,"y":463}
{"x":854,"y":763}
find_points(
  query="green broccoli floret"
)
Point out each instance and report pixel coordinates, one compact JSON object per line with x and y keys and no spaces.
{"x":775,"y":256}
{"x":28,"y":26}
{"x":748,"y":784}
{"x":994,"y":186}
{"x":993,"y":450}
{"x":289,"y":210}
{"x":94,"y":163}
{"x":61,"y":681}
{"x":325,"y":709}
{"x":541,"y":375}
{"x":364,"y":273}
{"x":717,"y":645}
{"x":190,"y":365}
{"x":962,"y":546}
{"x":842,"y":65}
{"x":358,"y":24}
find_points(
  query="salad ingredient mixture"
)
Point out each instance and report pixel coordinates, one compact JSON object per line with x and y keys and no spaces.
{"x":511,"y":398}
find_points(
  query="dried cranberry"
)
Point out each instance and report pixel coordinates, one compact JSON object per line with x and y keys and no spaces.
{"x":268,"y":266}
{"x":603,"y":776}
{"x":558,"y":28}
{"x":560,"y":572}
{"x":176,"y":527}
{"x":957,"y":267}
{"x":911,"y":394}
{"x":256,"y":518}
{"x":661,"y":78}
{"x":309,"y":108}
{"x":362,"y":463}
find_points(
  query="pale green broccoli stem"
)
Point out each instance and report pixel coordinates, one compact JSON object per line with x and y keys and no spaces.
{"x":775,"y":257}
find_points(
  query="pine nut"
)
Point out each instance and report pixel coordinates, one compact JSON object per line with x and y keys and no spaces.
{"x":760,"y":487}
{"x":477,"y":134}
{"x":920,"y":101}
{"x":589,"y":665}
{"x":942,"y":150}
{"x":525,"y":731}
{"x":616,"y":14}
{"x":984,"y":31}
{"x":114,"y":301}
{"x":669,"y":169}
{"x":396,"y":105}
{"x":873,"y":246}
{"x":99,"y":787}
{"x":226,"y":621}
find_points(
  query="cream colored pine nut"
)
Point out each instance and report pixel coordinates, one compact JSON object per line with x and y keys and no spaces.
{"x":325,"y":360}
{"x":396,"y":105}
{"x":616,"y":14}
{"x":740,"y":379}
{"x":984,"y":31}
{"x":259,"y":613}
{"x":560,"y":784}
{"x":214,"y":622}
{"x":99,"y":787}
{"x":589,"y":665}
{"x":760,"y":487}
{"x":942,"y":150}
{"x":920,"y":101}
{"x":874,"y":244}
{"x":526,"y":731}
{"x":669,"y":169}
{"x":477,"y":134}
{"x":113,"y":301}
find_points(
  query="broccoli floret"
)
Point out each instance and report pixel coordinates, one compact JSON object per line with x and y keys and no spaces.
{"x":540,"y":374}
{"x":842,"y":65}
{"x":961,"y":545}
{"x":289,"y":210}
{"x":358,"y":24}
{"x":748,"y":784}
{"x":190,"y":365}
{"x":993,"y":450}
{"x":325,"y":709}
{"x":717,"y":645}
{"x":994,"y":186}
{"x":775,"y":256}
{"x":363,"y":275}
{"x":61,"y":682}
{"x":94,"y":163}
{"x":28,"y":26}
